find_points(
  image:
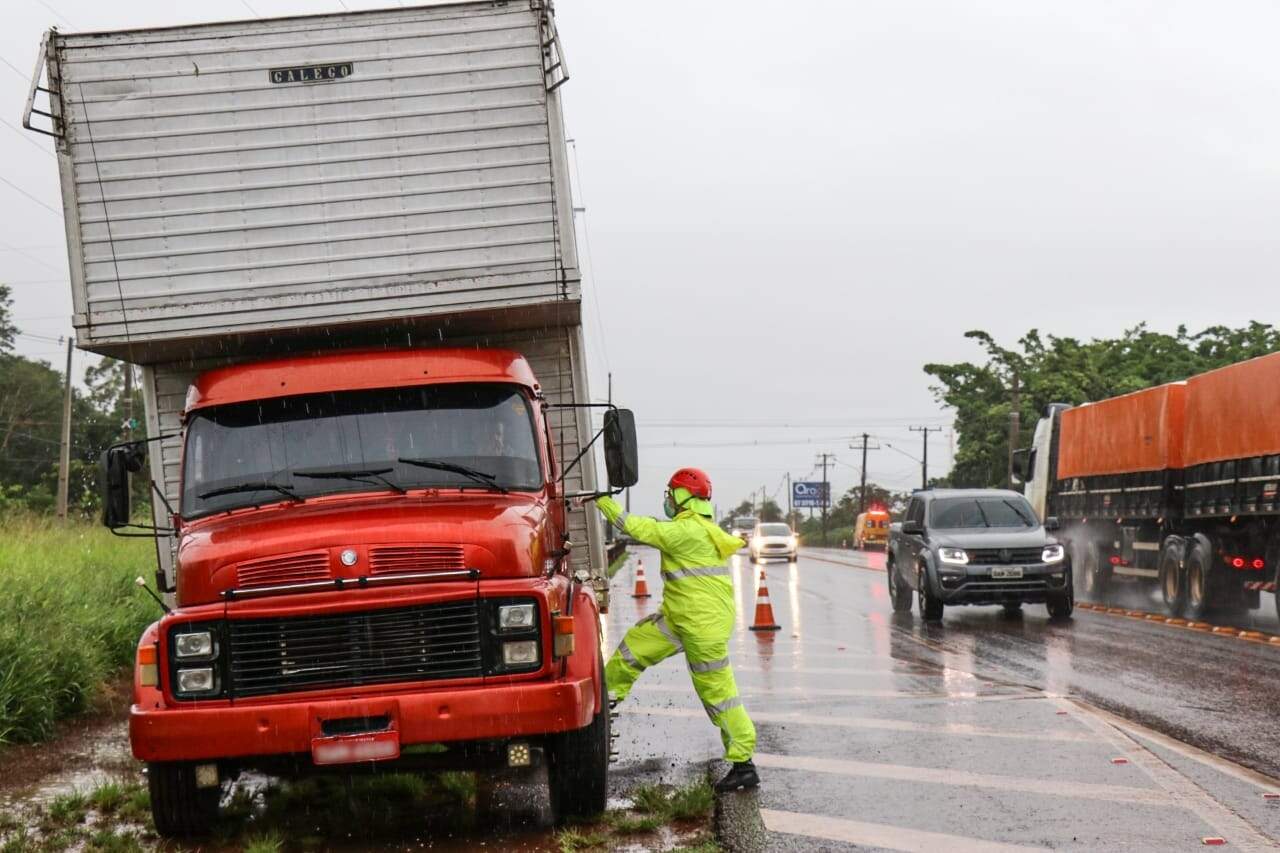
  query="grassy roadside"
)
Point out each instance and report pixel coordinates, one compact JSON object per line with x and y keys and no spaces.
{"x":70,"y":617}
{"x":618,"y":563}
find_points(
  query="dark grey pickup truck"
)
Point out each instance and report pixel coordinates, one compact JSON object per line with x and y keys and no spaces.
{"x":976,"y":546}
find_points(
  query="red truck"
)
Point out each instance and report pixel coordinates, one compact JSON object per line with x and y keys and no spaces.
{"x":1174,"y":485}
{"x":340,"y":248}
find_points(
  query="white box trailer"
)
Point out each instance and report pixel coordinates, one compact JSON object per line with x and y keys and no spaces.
{"x":249,"y":189}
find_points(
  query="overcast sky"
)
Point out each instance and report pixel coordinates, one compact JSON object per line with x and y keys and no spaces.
{"x":792,"y":207}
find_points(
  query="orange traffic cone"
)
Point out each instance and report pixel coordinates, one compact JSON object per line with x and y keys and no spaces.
{"x":764,"y":611}
{"x":642,"y":588}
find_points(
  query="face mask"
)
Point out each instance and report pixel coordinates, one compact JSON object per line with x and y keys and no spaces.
{"x":669,"y":506}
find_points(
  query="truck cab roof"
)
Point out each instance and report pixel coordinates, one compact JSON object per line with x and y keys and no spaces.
{"x":348,"y":371}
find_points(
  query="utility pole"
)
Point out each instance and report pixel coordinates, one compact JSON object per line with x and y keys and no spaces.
{"x":1014,"y":418}
{"x":862,"y":490}
{"x":924,"y":463}
{"x":790,"y":520}
{"x":824,"y":496}
{"x":64,"y":454}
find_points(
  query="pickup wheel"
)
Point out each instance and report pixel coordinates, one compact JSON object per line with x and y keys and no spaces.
{"x":1173,"y":580}
{"x":1012,"y":609}
{"x":1061,"y":606}
{"x":578,"y":765}
{"x":1199,"y":577}
{"x":930,"y":605}
{"x":179,"y":807}
{"x":899,"y":593}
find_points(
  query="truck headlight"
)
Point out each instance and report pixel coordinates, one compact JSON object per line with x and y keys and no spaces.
{"x":520,"y":653}
{"x":198,"y":680}
{"x":953,"y":556}
{"x":1052,"y":554}
{"x":193,"y":645}
{"x":517,"y":617}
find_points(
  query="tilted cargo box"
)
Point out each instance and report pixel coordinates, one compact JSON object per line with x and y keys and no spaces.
{"x":1232,"y":441}
{"x":1122,"y":456}
{"x":261,"y":178}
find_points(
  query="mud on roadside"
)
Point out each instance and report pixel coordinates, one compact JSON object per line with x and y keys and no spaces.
{"x":85,"y":792}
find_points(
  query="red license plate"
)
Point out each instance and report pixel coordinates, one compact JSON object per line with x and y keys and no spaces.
{"x":353,"y":749}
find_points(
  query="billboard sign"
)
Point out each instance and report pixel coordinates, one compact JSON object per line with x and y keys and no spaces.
{"x":816,"y":495}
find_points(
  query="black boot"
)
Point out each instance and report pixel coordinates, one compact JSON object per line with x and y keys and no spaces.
{"x":741,"y":775}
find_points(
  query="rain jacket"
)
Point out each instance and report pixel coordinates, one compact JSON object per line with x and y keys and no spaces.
{"x":696,"y":617}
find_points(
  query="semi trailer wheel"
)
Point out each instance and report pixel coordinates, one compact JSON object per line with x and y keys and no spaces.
{"x":1097,"y":578}
{"x":1173,"y":579}
{"x":1199,"y":580}
{"x":179,"y":807}
{"x":578,"y":765}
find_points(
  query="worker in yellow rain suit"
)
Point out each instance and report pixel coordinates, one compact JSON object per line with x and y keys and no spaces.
{"x":696,"y":616}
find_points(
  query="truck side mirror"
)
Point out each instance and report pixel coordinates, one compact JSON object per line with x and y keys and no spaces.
{"x":1020,"y":467}
{"x":912,"y":528}
{"x":1052,"y":523}
{"x":118,"y":462}
{"x":621,"y":451}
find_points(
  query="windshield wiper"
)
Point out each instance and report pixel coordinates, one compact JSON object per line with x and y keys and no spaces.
{"x":356,"y":475}
{"x":253,"y":486}
{"x":482,"y":477}
{"x":1017,"y":511}
{"x":985,"y":521}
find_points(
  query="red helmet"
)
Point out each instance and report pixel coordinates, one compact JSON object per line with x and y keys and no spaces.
{"x":693,"y":479}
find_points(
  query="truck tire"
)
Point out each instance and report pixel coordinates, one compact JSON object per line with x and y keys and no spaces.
{"x":899,"y":593}
{"x":1097,"y":578}
{"x":578,"y":765}
{"x":179,"y":808}
{"x":1199,"y":580}
{"x":1173,"y":579}
{"x":930,"y":605}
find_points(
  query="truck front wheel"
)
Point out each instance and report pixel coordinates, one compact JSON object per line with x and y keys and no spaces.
{"x":578,"y":765}
{"x":179,"y":807}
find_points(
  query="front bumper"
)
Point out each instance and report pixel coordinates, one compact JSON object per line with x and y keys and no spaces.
{"x":265,"y":728}
{"x":975,"y":585}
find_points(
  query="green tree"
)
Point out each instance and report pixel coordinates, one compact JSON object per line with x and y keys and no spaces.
{"x":1065,"y":370}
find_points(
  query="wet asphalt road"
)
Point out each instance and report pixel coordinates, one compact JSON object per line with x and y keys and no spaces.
{"x":982,"y":733}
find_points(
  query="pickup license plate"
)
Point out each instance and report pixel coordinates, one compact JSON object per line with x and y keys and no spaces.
{"x":1005,"y":573}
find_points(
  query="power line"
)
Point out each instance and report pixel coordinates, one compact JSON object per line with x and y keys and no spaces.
{"x":56,"y":13}
{"x":52,"y":210}
{"x":26,"y":136}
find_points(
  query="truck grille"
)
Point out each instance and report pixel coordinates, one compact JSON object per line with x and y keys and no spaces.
{"x":394,"y":559}
{"x":285,"y":655}
{"x":290,"y":568}
{"x":1001,"y":556}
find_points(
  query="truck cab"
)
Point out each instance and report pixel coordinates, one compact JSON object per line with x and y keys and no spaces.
{"x":371,"y":558}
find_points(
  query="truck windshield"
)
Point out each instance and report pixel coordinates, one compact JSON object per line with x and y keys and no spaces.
{"x":244,"y":454}
{"x":981,"y":512}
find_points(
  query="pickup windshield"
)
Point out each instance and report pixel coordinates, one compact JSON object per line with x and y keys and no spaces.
{"x":947,"y":513}
{"x":245,"y":454}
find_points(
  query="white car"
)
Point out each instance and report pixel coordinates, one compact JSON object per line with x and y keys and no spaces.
{"x":770,"y":541}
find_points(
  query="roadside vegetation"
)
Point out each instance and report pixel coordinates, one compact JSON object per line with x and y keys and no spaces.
{"x":70,"y":618}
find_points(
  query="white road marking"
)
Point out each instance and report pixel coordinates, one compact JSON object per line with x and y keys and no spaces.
{"x":1222,"y":765}
{"x":1182,"y":791}
{"x":880,"y":835}
{"x":798,"y":692}
{"x":954,"y":777}
{"x":961,"y":729}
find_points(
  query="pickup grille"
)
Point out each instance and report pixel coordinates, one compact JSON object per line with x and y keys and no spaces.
{"x":285,"y":655}
{"x":289,"y":568}
{"x":394,"y":559}
{"x":1003,"y":556}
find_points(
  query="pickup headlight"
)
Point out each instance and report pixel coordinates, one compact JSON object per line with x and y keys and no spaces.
{"x":953,"y":556}
{"x":1052,"y":554}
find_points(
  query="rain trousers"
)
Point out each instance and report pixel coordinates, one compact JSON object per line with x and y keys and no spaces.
{"x":696,"y":616}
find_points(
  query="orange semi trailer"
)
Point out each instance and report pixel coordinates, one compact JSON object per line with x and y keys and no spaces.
{"x":1175,"y":485}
